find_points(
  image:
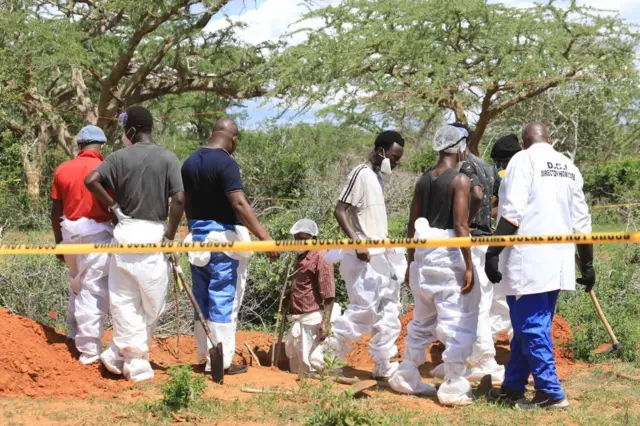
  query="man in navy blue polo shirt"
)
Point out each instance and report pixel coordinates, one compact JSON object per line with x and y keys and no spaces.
{"x":217,"y":210}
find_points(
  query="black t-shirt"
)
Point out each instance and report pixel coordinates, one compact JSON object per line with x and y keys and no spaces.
{"x":487,"y":177}
{"x":208,"y":176}
{"x":437,"y":204}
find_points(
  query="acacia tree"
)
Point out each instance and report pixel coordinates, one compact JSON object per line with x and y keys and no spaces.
{"x":68,"y":63}
{"x":404,"y":61}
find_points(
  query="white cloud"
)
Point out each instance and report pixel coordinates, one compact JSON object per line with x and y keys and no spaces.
{"x":269,"y":20}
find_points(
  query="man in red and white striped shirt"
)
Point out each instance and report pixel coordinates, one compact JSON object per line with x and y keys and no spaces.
{"x":311,"y":301}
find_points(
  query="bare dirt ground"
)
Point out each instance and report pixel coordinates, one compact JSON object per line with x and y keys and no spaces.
{"x":38,"y":361}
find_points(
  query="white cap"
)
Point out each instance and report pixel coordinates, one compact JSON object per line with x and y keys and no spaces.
{"x":305,"y":225}
{"x":450,"y":139}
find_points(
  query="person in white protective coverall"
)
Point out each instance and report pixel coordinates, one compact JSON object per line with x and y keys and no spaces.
{"x":373,"y":277}
{"x":79,"y":218}
{"x":311,"y":302}
{"x":441,"y":279}
{"x":143,"y":176}
{"x":541,"y":194}
{"x":217,"y":210}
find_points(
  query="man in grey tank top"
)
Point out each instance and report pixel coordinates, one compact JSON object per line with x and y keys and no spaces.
{"x":441,"y":279}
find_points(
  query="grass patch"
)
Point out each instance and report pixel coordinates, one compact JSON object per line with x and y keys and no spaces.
{"x":597,"y":397}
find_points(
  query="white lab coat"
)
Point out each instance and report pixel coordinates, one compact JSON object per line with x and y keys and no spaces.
{"x":541,"y":193}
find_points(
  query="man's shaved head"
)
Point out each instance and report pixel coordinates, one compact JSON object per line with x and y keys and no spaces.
{"x":535,"y":132}
{"x":226,"y":124}
{"x":225,"y":135}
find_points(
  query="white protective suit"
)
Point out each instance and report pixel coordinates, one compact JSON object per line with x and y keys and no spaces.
{"x":138,"y":286}
{"x":499,"y":318}
{"x":482,"y":360}
{"x":222,"y":332}
{"x":374,"y":306}
{"x":302,"y":339}
{"x":89,"y":286}
{"x":441,"y":313}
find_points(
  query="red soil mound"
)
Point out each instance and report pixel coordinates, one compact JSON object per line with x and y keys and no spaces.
{"x":37,"y":360}
{"x":561,"y":333}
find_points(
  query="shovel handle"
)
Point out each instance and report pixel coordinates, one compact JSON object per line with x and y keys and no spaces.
{"x":603,"y":318}
{"x":177,"y":270}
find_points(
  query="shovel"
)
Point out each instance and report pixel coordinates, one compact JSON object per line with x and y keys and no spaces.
{"x":215,"y":353}
{"x":605,"y":348}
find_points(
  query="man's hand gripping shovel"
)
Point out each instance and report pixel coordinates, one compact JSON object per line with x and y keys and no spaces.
{"x":215,"y":353}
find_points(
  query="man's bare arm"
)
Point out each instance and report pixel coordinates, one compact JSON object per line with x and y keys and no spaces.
{"x":56,"y":216}
{"x":461,"y":188}
{"x":340,"y":214}
{"x":93,"y":182}
{"x":176,"y":208}
{"x":246,"y":215}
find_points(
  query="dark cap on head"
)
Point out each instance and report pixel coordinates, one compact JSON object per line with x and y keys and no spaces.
{"x":505,"y":148}
{"x":140,"y":118}
{"x":387,"y":138}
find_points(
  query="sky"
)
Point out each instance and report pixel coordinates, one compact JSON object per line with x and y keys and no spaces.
{"x":269,"y":19}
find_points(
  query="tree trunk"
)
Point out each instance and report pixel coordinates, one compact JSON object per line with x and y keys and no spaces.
{"x":476,"y":135}
{"x":32,"y":161}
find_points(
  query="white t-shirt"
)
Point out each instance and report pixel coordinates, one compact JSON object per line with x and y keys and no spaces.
{"x":363,"y":192}
{"x":541,"y":193}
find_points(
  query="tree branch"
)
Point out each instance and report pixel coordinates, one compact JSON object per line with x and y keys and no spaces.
{"x":523,"y":96}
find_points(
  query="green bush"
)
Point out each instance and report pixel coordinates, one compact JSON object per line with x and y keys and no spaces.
{"x":613,"y":182}
{"x":35,"y":286}
{"x":182,"y":390}
{"x":420,"y":162}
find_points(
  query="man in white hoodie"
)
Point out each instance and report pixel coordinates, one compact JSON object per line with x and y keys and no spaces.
{"x":77,"y":217}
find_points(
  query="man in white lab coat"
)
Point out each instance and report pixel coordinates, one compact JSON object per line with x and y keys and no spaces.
{"x":541,"y":194}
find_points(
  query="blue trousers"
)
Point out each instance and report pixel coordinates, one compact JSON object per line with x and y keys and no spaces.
{"x":531,"y":346}
{"x":214,"y":285}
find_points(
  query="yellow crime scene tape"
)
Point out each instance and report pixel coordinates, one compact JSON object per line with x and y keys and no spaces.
{"x":291,"y":245}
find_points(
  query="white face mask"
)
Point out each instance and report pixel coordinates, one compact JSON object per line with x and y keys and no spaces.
{"x":385,"y":166}
{"x":125,"y":139}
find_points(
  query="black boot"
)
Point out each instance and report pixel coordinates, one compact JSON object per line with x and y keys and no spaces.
{"x":542,"y":400}
{"x":235,"y":369}
{"x":504,"y":397}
